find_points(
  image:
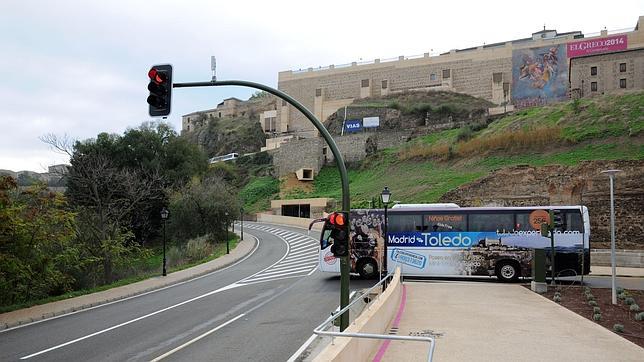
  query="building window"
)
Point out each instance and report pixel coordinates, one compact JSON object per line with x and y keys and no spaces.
{"x":365,"y":83}
{"x":384,"y":84}
{"x":622,"y":67}
{"x":497,"y":77}
{"x":593,"y":86}
{"x":318,"y":92}
{"x":593,"y":70}
{"x":432,"y":77}
{"x":622,"y":83}
{"x":446,"y":73}
{"x":219,"y":114}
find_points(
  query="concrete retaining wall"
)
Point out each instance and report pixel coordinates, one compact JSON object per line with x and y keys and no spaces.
{"x":288,"y":220}
{"x":623,"y":258}
{"x":375,"y":319}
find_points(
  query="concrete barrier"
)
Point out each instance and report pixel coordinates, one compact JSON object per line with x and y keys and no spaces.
{"x":623,"y":258}
{"x":288,"y":220}
{"x":374,"y":319}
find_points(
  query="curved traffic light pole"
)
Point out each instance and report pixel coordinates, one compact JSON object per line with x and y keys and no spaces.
{"x":344,"y":261}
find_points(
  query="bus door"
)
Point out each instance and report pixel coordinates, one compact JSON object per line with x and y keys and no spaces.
{"x":326,"y":260}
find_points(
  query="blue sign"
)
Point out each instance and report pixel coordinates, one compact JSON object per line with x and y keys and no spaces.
{"x":352,"y":125}
{"x":409,"y":258}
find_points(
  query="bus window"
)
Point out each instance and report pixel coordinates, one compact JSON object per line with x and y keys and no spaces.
{"x":573,"y":221}
{"x":523,"y":222}
{"x":491,"y":222}
{"x":404,"y":223}
{"x":445,"y":222}
{"x":324,"y":239}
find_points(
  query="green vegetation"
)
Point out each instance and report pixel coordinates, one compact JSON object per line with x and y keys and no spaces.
{"x":258,"y":193}
{"x":425,"y":168}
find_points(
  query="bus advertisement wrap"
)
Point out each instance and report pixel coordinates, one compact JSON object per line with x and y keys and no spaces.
{"x":454,"y":241}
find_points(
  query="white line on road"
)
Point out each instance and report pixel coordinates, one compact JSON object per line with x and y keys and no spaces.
{"x":196,"y":339}
{"x":302,"y":348}
{"x":231,"y":286}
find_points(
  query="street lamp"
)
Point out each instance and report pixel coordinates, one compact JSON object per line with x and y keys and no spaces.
{"x":611,"y":175}
{"x":384,"y":197}
{"x":241,"y":221}
{"x":164,"y":216}
{"x":226,"y":222}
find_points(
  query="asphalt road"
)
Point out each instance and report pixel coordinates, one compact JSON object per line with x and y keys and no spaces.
{"x":261,"y":309}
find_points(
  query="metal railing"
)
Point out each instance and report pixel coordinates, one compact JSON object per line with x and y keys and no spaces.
{"x":320,"y":332}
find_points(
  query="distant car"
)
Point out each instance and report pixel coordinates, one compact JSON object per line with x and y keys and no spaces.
{"x":228,"y":157}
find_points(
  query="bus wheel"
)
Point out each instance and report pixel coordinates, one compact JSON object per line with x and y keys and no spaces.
{"x":367,"y":268}
{"x":507,"y":271}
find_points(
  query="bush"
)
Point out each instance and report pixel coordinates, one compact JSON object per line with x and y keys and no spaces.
{"x":587,"y":290}
{"x":597,"y":317}
{"x":639,"y":316}
{"x":465,"y":134}
{"x":629,"y":301}
{"x":557,"y":298}
{"x":634,"y":308}
{"x":596,"y":310}
{"x":198,"y":248}
{"x":175,"y":256}
{"x":619,"y":328}
{"x":621,"y":296}
{"x":592,"y":303}
{"x":620,"y":290}
{"x":590,"y":297}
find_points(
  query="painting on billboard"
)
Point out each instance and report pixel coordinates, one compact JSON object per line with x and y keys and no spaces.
{"x":539,"y":75}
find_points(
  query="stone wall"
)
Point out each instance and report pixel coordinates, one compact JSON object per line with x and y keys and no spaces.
{"x":582,"y":184}
{"x":299,"y":153}
{"x":608,"y":74}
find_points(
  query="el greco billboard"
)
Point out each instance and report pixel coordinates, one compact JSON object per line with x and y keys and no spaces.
{"x":539,"y":75}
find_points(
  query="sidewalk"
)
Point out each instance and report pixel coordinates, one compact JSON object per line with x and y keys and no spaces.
{"x":44,"y":311}
{"x":620,"y":271}
{"x":500,"y":322}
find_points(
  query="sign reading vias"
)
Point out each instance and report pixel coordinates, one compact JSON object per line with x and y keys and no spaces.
{"x":597,"y":46}
{"x":352,"y":125}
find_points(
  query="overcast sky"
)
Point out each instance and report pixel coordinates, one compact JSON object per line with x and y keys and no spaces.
{"x":79,"y":68}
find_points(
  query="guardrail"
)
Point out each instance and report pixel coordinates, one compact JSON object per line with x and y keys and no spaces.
{"x":320,"y":332}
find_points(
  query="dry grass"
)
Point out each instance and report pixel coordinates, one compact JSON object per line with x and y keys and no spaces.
{"x":510,"y":141}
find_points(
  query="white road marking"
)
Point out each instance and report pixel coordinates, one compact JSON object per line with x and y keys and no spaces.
{"x":139,"y":295}
{"x":302,"y":348}
{"x":196,"y":339}
{"x":231,"y":286}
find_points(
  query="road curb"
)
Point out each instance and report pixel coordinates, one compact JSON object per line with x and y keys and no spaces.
{"x":41,"y":316}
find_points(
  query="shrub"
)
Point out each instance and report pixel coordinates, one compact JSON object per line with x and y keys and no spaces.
{"x":621,"y":296}
{"x":597,"y":317}
{"x":587,"y":290}
{"x":596,"y":310}
{"x":557,"y":294}
{"x":634,"y":308}
{"x":620,"y":290}
{"x":198,"y":248}
{"x":619,"y":328}
{"x":629,"y":301}
{"x":639,"y":316}
{"x":174,"y":256}
{"x":590,"y":297}
{"x":465,"y":134}
{"x":557,"y":298}
{"x":592,"y":303}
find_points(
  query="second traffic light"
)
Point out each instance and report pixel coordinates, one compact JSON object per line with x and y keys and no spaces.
{"x":338,"y":223}
{"x":160,"y":88}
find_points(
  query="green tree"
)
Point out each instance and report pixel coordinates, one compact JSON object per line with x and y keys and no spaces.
{"x":200,"y":209}
{"x":37,"y":253}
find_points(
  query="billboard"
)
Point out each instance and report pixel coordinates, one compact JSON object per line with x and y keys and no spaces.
{"x":539,"y":75}
{"x":352,"y":125}
{"x":371,"y":122}
{"x":597,"y":46}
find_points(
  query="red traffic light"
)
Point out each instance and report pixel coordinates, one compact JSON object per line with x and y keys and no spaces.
{"x":156,"y":76}
{"x":337,"y":219}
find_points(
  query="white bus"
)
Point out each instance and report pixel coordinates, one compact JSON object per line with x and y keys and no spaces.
{"x":228,"y":157}
{"x":447,"y":240}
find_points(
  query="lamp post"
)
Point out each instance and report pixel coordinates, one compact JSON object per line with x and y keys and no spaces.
{"x":227,"y":244}
{"x":384,"y":197}
{"x":164,"y":216}
{"x":241,"y":221}
{"x":611,"y":175}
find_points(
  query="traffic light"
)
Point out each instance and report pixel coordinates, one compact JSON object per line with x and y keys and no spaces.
{"x":160,"y":88}
{"x":557,"y":220}
{"x":338,"y":223}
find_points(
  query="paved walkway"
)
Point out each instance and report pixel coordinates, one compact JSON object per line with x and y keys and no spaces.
{"x":620,"y":271}
{"x":500,"y":322}
{"x":43,"y":311}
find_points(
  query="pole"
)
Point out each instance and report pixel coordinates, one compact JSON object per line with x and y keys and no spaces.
{"x":227,"y":239}
{"x":386,"y":269}
{"x":612,"y":241}
{"x":164,"y":260}
{"x":241,"y":221}
{"x":339,"y":160}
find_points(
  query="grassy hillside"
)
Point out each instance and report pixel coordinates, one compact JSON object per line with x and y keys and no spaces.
{"x":604,"y":128}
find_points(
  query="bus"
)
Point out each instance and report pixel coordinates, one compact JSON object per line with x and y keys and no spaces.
{"x":450,"y":241}
{"x":228,"y":157}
